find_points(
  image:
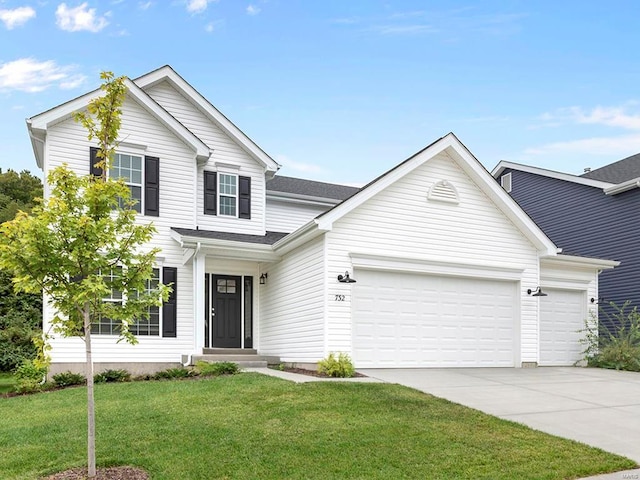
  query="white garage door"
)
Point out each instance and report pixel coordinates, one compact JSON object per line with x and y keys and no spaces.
{"x":562,"y":316}
{"x":407,"y":320}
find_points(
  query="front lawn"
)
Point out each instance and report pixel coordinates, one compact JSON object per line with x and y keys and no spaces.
{"x":252,"y":426}
{"x":7,"y":380}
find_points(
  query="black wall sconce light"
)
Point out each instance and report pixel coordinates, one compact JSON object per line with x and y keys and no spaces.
{"x":263,"y":278}
{"x":536,"y":293}
{"x":346,"y":278}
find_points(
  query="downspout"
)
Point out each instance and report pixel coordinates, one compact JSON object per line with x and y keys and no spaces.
{"x":189,"y":358}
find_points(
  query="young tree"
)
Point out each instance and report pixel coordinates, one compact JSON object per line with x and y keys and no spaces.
{"x":82,"y":244}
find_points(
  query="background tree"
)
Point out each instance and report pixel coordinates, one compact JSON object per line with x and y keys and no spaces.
{"x":20,"y":313}
{"x":79,"y":246}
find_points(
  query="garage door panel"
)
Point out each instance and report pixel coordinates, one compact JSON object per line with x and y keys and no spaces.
{"x":562,"y":316}
{"x":404,"y":320}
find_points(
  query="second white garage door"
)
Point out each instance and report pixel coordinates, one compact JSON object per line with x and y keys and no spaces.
{"x":410,"y":320}
{"x":562,"y":317}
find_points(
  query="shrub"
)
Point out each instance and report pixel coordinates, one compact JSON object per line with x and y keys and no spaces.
{"x":340,"y":366}
{"x":206,"y":369}
{"x":67,"y":379}
{"x":172,"y":373}
{"x":614,"y":342}
{"x":112,"y":376}
{"x":30,"y":377}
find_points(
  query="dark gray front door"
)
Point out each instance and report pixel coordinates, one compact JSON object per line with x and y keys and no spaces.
{"x":226,"y":311}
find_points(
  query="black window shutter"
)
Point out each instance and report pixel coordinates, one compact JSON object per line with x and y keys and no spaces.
{"x":245,"y":197}
{"x":169,"y":308}
{"x":93,"y":158}
{"x":152,"y":186}
{"x":210,"y":193}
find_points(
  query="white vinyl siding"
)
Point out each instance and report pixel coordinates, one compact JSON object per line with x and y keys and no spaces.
{"x":227,"y":155}
{"x":400,"y":222}
{"x":292,"y":306}
{"x":67,"y":143}
{"x":287,"y":217}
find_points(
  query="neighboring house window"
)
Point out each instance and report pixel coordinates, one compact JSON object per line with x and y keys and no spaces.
{"x":227,"y":195}
{"x":129,"y":169}
{"x":164,"y":317}
{"x":141,"y":174}
{"x":228,"y":198}
{"x":505,"y":181}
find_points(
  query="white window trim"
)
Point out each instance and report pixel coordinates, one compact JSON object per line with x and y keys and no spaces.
{"x":135,"y":152}
{"x":220,"y":194}
{"x":505,"y":182}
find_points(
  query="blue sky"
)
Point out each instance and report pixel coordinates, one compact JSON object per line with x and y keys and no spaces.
{"x":342,"y":90}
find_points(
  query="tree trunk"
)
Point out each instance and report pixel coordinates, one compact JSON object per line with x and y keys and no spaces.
{"x":91,"y":416}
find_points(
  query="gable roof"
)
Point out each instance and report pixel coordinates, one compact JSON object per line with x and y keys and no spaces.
{"x":38,"y":124}
{"x":450,"y":145}
{"x":567,"y":177}
{"x":617,"y":172}
{"x":168,"y":74}
{"x":310,"y":188}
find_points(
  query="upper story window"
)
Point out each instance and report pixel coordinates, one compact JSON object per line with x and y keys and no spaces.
{"x":129,"y":169}
{"x":140,"y":173}
{"x":228,"y":204}
{"x":227,"y":195}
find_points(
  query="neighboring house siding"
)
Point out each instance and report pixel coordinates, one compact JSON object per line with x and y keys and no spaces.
{"x":287,"y":216}
{"x":292,"y":305}
{"x":583,"y":221}
{"x":401,"y":222}
{"x":67,"y":143}
{"x":226,"y":153}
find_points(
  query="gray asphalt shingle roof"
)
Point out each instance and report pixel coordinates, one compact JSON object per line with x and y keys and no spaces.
{"x":269,"y":239}
{"x":617,"y":172}
{"x":311,"y":188}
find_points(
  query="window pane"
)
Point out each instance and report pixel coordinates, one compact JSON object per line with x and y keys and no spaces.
{"x":228,"y":206}
{"x":136,"y":194}
{"x":136,"y":163}
{"x":228,"y":184}
{"x":231,"y":286}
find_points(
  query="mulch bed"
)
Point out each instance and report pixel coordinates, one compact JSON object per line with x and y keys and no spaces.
{"x":311,"y":373}
{"x":113,"y":473}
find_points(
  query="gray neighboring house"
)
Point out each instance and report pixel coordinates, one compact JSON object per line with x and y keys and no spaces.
{"x":595,"y":214}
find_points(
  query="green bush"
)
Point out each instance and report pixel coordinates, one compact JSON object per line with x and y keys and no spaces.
{"x":112,"y":376}
{"x":30,"y":377}
{"x":67,"y":379}
{"x":340,"y":366}
{"x":172,"y":373}
{"x":614,"y":342}
{"x":206,"y":369}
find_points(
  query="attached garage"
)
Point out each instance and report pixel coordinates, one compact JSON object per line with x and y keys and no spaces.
{"x":418,"y":320}
{"x":562,"y":317}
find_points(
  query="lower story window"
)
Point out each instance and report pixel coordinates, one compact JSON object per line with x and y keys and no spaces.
{"x":142,"y":326}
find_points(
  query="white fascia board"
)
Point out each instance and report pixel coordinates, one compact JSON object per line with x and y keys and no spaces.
{"x":302,"y":235}
{"x":37,"y":138}
{"x":301,"y":199}
{"x":169,"y":74}
{"x":584,"y":262}
{"x":472,"y":167}
{"x":623,"y":187}
{"x":567,"y":177}
{"x":228,"y":249}
{"x":62,"y":112}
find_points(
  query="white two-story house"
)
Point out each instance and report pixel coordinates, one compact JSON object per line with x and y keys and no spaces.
{"x":446,"y":265}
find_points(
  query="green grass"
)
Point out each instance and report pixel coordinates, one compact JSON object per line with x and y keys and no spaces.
{"x":7,"y":380}
{"x":252,"y":426}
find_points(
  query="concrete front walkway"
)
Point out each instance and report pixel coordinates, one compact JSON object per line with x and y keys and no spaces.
{"x":598,"y":407}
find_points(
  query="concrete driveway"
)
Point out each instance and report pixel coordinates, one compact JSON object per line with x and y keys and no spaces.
{"x":594,"y":406}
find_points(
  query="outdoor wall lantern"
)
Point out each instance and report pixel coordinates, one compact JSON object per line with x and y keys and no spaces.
{"x":263,"y":278}
{"x":536,"y":293}
{"x":346,"y":278}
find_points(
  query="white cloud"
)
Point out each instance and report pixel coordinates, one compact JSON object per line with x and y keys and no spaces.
{"x":297,"y":166}
{"x":16,"y":17}
{"x":79,"y":18}
{"x":198,"y":6}
{"x":620,"y":116}
{"x":253,"y":10}
{"x":609,"y":146}
{"x":144,"y":5}
{"x":29,"y":75}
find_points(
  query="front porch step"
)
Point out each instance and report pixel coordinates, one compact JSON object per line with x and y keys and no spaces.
{"x":229,"y":351}
{"x":243,"y":360}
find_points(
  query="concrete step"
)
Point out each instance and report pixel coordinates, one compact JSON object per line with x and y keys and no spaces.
{"x":229,"y":351}
{"x":244,"y":361}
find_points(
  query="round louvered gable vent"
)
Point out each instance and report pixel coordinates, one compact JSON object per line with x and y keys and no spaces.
{"x":443,"y":191}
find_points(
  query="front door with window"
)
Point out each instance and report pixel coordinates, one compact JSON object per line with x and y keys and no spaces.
{"x":226,"y":310}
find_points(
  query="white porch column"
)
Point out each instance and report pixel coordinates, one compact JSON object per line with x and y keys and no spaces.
{"x":198,"y":295}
